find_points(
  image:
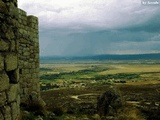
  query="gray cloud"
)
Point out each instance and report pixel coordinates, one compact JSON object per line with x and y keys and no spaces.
{"x":151,"y":25}
{"x":103,"y":42}
{"x":95,"y":27}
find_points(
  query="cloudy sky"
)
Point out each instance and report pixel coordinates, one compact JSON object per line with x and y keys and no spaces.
{"x":91,"y":27}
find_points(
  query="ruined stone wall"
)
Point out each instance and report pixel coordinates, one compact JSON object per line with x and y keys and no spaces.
{"x":28,"y":55}
{"x":19,"y":58}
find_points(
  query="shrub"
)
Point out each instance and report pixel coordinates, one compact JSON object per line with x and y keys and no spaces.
{"x":58,"y":111}
{"x":129,"y":113}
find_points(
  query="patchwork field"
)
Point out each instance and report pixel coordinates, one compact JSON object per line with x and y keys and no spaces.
{"x":71,"y":89}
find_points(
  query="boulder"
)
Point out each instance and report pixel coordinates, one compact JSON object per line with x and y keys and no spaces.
{"x":111,"y":100}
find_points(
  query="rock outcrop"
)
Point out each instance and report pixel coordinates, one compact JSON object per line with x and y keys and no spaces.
{"x":111,"y":100}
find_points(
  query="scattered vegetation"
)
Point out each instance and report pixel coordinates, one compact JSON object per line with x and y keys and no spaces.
{"x":94,"y":73}
{"x":72,"y":74}
{"x":75,"y":90}
{"x":121,"y":76}
{"x":45,"y":69}
{"x":129,"y":112}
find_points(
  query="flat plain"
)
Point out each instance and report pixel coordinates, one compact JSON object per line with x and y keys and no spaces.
{"x":71,"y":88}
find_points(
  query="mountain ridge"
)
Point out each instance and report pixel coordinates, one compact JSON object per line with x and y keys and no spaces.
{"x":148,"y":56}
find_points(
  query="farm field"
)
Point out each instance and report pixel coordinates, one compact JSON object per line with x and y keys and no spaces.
{"x":70,"y":89}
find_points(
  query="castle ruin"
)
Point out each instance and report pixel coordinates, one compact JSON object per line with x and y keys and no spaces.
{"x":19,"y":58}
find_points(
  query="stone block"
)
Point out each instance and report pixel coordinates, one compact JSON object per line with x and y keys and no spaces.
{"x":34,"y":75}
{"x":17,"y":46}
{"x":4,"y":81}
{"x":29,"y":65}
{"x":37,"y":65}
{"x":15,"y":3}
{"x":20,"y":32}
{"x":4,"y":45}
{"x":31,"y":71}
{"x":2,"y":99}
{"x":32,"y":19}
{"x":1,"y":116}
{"x":28,"y":76}
{"x":13,"y":11}
{"x":13,"y":92}
{"x":24,"y":22}
{"x":10,"y":34}
{"x":3,"y":8}
{"x":36,"y":26}
{"x":2,"y":16}
{"x":16,"y":76}
{"x":27,"y":71}
{"x":13,"y":45}
{"x":38,"y":76}
{"x":22,"y":71}
{"x":14,"y":110}
{"x":26,"y":64}
{"x":4,"y":27}
{"x":35,"y":87}
{"x":11,"y":62}
{"x":7,"y":113}
{"x":18,"y":100}
{"x":26,"y":54}
{"x":25,"y":90}
{"x":29,"y":81}
{"x":1,"y":62}
{"x":22,"y":12}
{"x":23,"y":85}
{"x":37,"y":70}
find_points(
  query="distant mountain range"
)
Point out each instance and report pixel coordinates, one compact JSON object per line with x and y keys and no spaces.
{"x":152,"y":56}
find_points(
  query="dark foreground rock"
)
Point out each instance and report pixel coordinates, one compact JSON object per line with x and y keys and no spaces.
{"x":109,"y":101}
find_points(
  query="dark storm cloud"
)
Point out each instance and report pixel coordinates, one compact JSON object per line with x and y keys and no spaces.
{"x":79,"y":27}
{"x":151,"y":25}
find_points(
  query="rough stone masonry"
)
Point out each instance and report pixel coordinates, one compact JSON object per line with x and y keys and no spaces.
{"x":19,"y":58}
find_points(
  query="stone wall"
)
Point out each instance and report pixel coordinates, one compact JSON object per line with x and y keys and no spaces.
{"x":28,"y":54}
{"x":19,"y":58}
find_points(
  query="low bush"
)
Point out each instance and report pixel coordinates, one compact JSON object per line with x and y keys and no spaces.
{"x":129,"y":113}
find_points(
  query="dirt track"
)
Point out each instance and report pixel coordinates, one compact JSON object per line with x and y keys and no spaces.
{"x":130,"y":92}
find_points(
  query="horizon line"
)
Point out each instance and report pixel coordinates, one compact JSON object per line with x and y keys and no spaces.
{"x":97,"y":54}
